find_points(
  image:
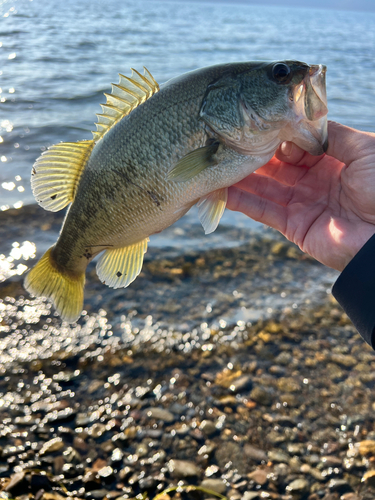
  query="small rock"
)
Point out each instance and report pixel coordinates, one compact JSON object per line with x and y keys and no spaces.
{"x":80,"y":444}
{"x":278,"y":456}
{"x":183,"y":468}
{"x":17,"y":484}
{"x":208,"y":427}
{"x":259,"y":476}
{"x":105,"y":471}
{"x":211,"y":470}
{"x":350,"y":496}
{"x":117,"y":455}
{"x":250,"y":495}
{"x":255,"y":454}
{"x":344,"y":360}
{"x":147,"y":483}
{"x":160,"y":414}
{"x":97,"y":430}
{"x":339,"y":485}
{"x":369,"y":478}
{"x":51,"y":446}
{"x":58,"y":464}
{"x":262,"y":396}
{"x":298,"y":486}
{"x":94,"y":386}
{"x":216,"y":485}
{"x":241,"y":383}
{"x":366,"y":447}
{"x":284,"y":358}
{"x":96,"y":494}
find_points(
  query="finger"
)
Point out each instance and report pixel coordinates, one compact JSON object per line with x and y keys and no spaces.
{"x":259,"y":209}
{"x":289,"y":152}
{"x":282,"y":172}
{"x":267,"y":187}
{"x":347,"y":144}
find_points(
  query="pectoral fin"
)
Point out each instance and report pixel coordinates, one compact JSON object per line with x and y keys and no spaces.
{"x":118,"y":267}
{"x":194,"y":163}
{"x":211,"y":209}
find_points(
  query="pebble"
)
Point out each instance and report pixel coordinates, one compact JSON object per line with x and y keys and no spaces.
{"x":259,"y":476}
{"x":250,"y":495}
{"x":366,"y":447}
{"x":254,"y":453}
{"x":208,"y":428}
{"x":369,"y":478}
{"x":51,"y":446}
{"x":16,"y":484}
{"x":241,"y":384}
{"x":160,"y":414}
{"x":183,"y":469}
{"x":339,"y":485}
{"x":299,"y":485}
{"x":262,"y":396}
{"x":216,"y":485}
{"x":278,"y":456}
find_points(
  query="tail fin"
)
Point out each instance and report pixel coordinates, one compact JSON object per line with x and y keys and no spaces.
{"x":65,"y":290}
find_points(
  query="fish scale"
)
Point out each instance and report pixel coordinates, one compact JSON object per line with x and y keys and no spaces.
{"x":158,"y":151}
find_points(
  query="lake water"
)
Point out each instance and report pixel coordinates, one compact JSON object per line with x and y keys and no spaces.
{"x":56,"y":60}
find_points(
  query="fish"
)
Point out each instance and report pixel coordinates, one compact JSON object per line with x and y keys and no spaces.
{"x":156,"y":152}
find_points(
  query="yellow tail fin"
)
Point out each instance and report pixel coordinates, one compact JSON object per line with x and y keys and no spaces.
{"x":64,"y":289}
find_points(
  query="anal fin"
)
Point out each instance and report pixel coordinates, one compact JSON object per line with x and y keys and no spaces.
{"x":211,"y":209}
{"x":118,"y":267}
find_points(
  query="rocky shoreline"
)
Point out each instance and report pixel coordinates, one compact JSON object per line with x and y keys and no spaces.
{"x":178,"y":383}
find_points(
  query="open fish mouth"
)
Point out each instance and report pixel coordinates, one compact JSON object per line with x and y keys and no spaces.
{"x":310,"y":99}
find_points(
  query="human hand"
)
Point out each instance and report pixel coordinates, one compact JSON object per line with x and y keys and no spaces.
{"x":325,"y":204}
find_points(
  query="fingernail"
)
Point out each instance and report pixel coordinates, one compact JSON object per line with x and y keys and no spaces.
{"x":286,"y":148}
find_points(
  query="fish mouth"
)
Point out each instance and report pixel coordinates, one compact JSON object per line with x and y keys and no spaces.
{"x":310,"y":100}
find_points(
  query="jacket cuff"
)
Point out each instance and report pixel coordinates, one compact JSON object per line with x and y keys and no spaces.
{"x":355,"y":291}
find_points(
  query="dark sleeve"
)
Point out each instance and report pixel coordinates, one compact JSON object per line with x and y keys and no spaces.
{"x":355,"y":291}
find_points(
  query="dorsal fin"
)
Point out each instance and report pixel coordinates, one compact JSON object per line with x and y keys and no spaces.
{"x":125,"y":96}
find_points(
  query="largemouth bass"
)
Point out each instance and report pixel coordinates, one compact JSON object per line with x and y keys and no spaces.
{"x":157,"y":152}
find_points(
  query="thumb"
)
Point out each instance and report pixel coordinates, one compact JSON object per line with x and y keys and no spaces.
{"x":348,"y":144}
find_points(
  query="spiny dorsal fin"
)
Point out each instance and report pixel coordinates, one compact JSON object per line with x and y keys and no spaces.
{"x":56,"y":173}
{"x":125,"y":96}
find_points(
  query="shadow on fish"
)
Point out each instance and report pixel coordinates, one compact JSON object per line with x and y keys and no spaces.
{"x":158,"y":151}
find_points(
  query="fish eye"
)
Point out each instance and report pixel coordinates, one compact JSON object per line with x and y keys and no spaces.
{"x":281,"y":72}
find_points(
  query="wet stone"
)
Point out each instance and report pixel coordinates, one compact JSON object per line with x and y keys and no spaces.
{"x":366,"y":447}
{"x":278,"y":456}
{"x":250,"y":495}
{"x":51,"y":446}
{"x":255,"y":454}
{"x":262,"y":396}
{"x":259,"y":476}
{"x":339,"y":485}
{"x":241,"y":384}
{"x":208,"y":427}
{"x":298,"y":486}
{"x":216,"y":485}
{"x":183,"y":469}
{"x":160,"y":414}
{"x":96,"y":494}
{"x":17,"y":484}
{"x":369,"y":478}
